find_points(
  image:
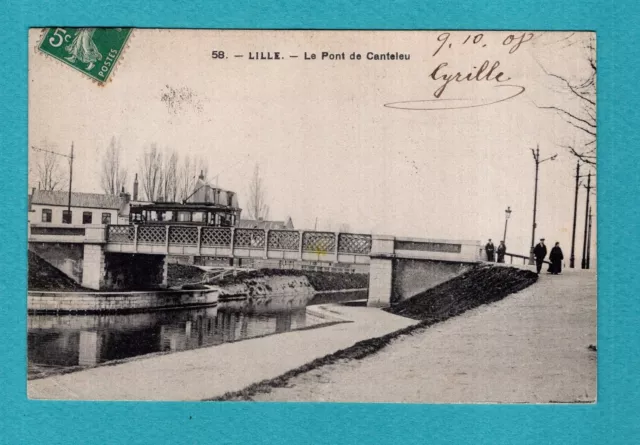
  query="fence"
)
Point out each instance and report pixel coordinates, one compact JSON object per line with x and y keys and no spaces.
{"x":228,"y":241}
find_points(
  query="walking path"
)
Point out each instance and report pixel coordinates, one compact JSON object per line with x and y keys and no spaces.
{"x":531,"y":347}
{"x":210,"y":372}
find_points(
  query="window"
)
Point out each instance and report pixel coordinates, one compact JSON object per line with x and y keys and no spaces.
{"x":66,"y":216}
{"x":184,"y":216}
{"x":106,"y":218}
{"x":46,"y":215}
{"x":87,"y":217}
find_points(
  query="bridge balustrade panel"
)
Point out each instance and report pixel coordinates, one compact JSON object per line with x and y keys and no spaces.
{"x":186,"y":236}
{"x":284,"y":240}
{"x":354,"y":243}
{"x":152,"y":235}
{"x":121,"y":234}
{"x":319,"y":242}
{"x":215,"y":237}
{"x":249,"y":238}
{"x":242,"y":243}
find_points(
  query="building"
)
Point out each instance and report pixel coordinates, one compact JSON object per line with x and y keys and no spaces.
{"x":207,"y":205}
{"x":52,"y":207}
{"x":267,"y":225}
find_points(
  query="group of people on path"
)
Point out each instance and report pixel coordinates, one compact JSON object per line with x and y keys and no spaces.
{"x":539,"y":251}
{"x":555,"y":257}
{"x":491,"y":251}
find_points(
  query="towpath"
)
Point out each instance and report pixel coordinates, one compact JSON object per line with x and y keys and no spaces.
{"x":210,"y":372}
{"x":531,"y":347}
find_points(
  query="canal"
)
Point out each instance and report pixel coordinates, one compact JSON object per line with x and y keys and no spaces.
{"x":64,"y":343}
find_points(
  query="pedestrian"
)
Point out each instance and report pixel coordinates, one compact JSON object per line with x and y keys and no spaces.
{"x":502,"y":250}
{"x":490,"y":249}
{"x":540,"y":251}
{"x":556,"y":258}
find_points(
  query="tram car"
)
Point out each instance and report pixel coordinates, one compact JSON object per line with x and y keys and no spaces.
{"x":206,"y":206}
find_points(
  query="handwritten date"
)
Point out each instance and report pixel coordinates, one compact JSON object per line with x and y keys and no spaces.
{"x":514,"y":41}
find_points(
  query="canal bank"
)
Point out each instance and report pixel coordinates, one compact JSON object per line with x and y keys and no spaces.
{"x":249,"y":367}
{"x":52,"y":291}
{"x":213,"y":371}
{"x":536,"y":346}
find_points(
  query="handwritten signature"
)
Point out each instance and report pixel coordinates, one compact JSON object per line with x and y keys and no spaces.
{"x":503,"y":93}
{"x":487,"y":72}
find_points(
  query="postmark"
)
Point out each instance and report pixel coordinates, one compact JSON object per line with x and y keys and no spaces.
{"x":94,"y":52}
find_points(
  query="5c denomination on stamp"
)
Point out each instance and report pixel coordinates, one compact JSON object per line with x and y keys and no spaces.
{"x":92,"y":51}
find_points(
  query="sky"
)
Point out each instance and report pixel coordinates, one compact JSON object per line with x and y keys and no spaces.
{"x":327,"y":147}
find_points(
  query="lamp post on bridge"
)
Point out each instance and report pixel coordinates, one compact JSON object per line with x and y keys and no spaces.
{"x":538,"y":161}
{"x":507,"y":214}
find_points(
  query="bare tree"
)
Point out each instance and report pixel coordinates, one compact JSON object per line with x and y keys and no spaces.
{"x":257,"y":206}
{"x":580,"y":110}
{"x":188,"y":172}
{"x":169,"y":186}
{"x":49,"y":167}
{"x":113,"y":175}
{"x":151,"y":172}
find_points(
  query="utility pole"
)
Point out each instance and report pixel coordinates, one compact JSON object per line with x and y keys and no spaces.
{"x":538,"y":161}
{"x":70,"y":156}
{"x":586,"y":224}
{"x":572,"y":260}
{"x":589,"y":241}
{"x":70,"y":180}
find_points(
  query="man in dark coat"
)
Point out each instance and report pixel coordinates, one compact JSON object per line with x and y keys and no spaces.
{"x":490,"y":249}
{"x":556,"y":258}
{"x":502,"y":249}
{"x":540,"y":251}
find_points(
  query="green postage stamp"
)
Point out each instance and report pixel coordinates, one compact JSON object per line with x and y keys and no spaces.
{"x":93,"y":51}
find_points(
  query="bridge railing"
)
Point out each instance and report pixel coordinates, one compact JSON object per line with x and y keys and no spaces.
{"x":524,"y":258}
{"x":231,"y":241}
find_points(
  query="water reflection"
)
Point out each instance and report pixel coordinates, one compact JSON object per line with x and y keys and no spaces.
{"x":68,"y":341}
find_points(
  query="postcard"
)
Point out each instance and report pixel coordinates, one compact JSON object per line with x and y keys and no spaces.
{"x":312,"y":216}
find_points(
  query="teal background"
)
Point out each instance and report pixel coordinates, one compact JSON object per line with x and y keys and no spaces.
{"x":613,"y":420}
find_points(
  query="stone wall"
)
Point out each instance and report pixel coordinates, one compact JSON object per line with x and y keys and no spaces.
{"x":66,"y":257}
{"x":380,"y":282}
{"x":411,"y":277}
{"x":118,"y":302}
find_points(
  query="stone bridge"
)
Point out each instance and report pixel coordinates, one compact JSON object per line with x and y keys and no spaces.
{"x":119,"y":256}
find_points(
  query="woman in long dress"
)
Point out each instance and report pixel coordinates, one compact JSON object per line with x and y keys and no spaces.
{"x":83,"y":49}
{"x":556,"y":258}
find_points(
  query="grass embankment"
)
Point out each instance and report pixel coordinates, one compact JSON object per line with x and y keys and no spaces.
{"x":481,"y":285}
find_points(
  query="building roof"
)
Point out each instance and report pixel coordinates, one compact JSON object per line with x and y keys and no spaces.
{"x":263,"y":224}
{"x":88,"y":200}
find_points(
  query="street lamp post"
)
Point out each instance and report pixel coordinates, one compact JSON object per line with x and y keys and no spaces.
{"x":538,"y":161}
{"x":507,"y":214}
